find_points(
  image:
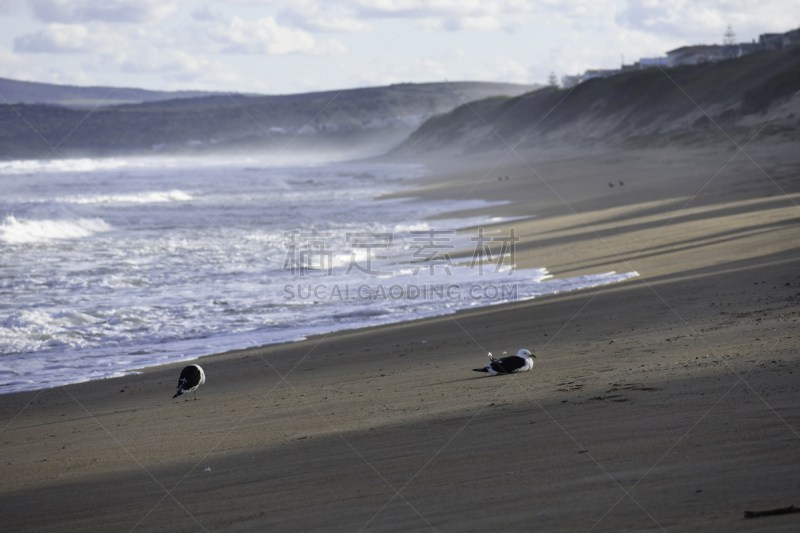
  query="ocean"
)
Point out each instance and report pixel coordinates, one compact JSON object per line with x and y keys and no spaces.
{"x":110,"y":265}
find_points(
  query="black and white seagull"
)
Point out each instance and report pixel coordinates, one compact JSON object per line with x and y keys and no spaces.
{"x":191,"y":377}
{"x":522,"y":362}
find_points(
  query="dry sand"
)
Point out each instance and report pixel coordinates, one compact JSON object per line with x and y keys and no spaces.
{"x":665,"y":402}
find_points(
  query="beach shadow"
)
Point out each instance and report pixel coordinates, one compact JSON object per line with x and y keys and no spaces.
{"x":482,"y":376}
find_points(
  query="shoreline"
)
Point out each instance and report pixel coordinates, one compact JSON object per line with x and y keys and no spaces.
{"x":623,"y":423}
{"x":453,"y":299}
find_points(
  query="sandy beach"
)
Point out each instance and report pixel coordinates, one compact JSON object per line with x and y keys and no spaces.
{"x":666,"y":402}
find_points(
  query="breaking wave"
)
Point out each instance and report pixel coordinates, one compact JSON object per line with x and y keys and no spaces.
{"x":151,"y":197}
{"x":16,"y":231}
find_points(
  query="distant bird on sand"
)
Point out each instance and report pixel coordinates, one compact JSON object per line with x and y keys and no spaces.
{"x":191,"y":377}
{"x":522,"y":362}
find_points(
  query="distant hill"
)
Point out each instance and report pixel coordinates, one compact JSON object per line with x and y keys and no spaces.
{"x":641,"y":107}
{"x":356,"y":121}
{"x":26,"y":92}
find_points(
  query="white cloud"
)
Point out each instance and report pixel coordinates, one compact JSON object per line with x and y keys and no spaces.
{"x":316,"y":16}
{"x":396,"y":70}
{"x":262,"y":36}
{"x":480,"y":23}
{"x":330,"y":47}
{"x":314,"y":44}
{"x":204,"y":13}
{"x":11,"y":6}
{"x":11,"y":65}
{"x":125,"y":11}
{"x":16,"y":67}
{"x":216,"y":34}
{"x":60,"y":11}
{"x":55,"y":38}
{"x":454,"y":65}
{"x":445,"y":8}
{"x":94,"y":39}
{"x":356,"y":16}
{"x":170,"y":62}
{"x":695,"y":22}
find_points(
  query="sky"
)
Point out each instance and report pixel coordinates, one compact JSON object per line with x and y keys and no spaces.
{"x":279,"y":47}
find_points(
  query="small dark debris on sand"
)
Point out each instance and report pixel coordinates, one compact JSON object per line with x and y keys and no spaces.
{"x":772,"y":512}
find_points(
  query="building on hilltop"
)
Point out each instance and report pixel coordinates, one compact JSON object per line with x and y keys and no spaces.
{"x":770,"y":41}
{"x":568,"y":82}
{"x":650,"y":62}
{"x":747,"y":48}
{"x":645,"y":63}
{"x":791,"y":40}
{"x":694,"y":55}
{"x":597,"y":73}
{"x":729,"y":51}
{"x":779,"y":42}
{"x":732,"y":51}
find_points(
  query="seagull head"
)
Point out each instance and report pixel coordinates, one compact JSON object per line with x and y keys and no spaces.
{"x":525,"y":353}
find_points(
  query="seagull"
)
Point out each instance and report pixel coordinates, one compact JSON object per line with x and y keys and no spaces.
{"x":191,"y":377}
{"x":522,"y":362}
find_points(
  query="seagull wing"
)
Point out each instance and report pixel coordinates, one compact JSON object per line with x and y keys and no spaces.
{"x":508,"y":365}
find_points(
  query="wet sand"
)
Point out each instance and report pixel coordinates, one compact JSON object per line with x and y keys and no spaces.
{"x":665,"y":402}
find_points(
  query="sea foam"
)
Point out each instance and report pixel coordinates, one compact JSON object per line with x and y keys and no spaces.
{"x":29,"y":166}
{"x":199,"y":260}
{"x":148,"y":197}
{"x":16,"y":231}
